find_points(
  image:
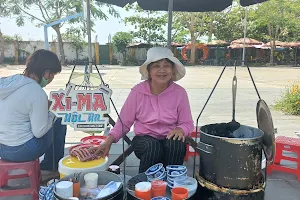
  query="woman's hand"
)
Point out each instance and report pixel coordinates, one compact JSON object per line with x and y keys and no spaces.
{"x":177,"y":133}
{"x":104,"y":148}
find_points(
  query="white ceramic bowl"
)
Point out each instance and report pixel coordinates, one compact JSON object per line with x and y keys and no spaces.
{"x":189,"y":183}
{"x":158,"y":176}
{"x":154,"y":169}
{"x":175,"y":174}
{"x":176,"y":168}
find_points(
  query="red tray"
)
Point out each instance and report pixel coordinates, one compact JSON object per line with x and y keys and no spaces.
{"x":96,"y":140}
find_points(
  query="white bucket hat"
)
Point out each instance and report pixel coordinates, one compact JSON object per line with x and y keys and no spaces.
{"x":158,"y":53}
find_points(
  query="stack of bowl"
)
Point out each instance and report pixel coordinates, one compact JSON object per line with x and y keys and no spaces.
{"x":160,"y":198}
{"x":175,"y":171}
{"x":42,"y":192}
{"x":156,"y":172}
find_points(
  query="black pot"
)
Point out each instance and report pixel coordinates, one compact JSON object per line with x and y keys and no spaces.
{"x":210,"y":191}
{"x":228,"y":161}
{"x":206,"y":194}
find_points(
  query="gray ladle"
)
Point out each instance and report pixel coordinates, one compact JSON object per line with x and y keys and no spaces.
{"x":233,"y":125}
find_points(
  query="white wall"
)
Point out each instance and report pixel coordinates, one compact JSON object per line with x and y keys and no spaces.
{"x":31,"y":46}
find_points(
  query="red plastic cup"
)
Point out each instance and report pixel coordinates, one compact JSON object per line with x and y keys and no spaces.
{"x":143,"y":190}
{"x":158,"y":188}
{"x":179,"y":193}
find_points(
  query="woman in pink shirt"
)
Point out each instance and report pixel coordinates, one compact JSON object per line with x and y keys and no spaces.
{"x":159,"y":110}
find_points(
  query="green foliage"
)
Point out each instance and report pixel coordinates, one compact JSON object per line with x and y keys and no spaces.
{"x":121,"y":40}
{"x":274,"y":19}
{"x":8,"y":38}
{"x":52,"y":10}
{"x":76,"y":38}
{"x":196,"y":24}
{"x":149,"y":25}
{"x":228,"y":25}
{"x":129,"y":61}
{"x":290,"y":101}
{"x":276,"y":16}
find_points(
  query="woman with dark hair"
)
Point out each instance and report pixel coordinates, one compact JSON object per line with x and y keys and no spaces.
{"x":159,"y":110}
{"x":26,"y":123}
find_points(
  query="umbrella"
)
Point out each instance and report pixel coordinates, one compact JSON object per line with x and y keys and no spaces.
{"x":181,"y":5}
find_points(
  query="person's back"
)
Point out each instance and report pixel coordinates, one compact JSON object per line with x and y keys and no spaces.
{"x":20,"y":96}
{"x":27,"y":128}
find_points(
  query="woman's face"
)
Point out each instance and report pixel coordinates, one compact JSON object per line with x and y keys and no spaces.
{"x":49,"y":76}
{"x":161,"y":71}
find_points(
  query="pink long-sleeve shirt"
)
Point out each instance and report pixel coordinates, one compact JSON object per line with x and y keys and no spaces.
{"x":154,"y":115}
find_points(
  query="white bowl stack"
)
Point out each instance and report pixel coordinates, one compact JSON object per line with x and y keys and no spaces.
{"x":175,"y":171}
{"x":156,"y":172}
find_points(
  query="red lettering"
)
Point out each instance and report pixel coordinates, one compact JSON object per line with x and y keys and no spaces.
{"x":68,"y":103}
{"x":99,"y":102}
{"x":58,"y":101}
{"x":84,"y":100}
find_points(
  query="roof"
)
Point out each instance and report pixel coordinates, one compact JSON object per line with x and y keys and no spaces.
{"x":283,"y":44}
{"x":277,"y":43}
{"x":138,"y":44}
{"x":240,"y":46}
{"x":175,"y":44}
{"x":248,"y":41}
{"x":217,"y":43}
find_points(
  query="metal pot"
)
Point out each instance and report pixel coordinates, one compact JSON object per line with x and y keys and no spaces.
{"x":104,"y":178}
{"x":230,"y":160}
{"x":210,"y":191}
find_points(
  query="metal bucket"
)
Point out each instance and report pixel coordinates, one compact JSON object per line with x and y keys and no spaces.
{"x":104,"y":178}
{"x":228,"y":161}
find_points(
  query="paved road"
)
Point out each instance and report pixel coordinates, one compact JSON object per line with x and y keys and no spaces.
{"x":199,"y":81}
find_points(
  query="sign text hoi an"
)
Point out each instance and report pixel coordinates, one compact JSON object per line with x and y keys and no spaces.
{"x":82,"y":109}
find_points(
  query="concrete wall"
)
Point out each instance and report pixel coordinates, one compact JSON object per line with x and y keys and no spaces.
{"x":22,"y":49}
{"x":28,"y":47}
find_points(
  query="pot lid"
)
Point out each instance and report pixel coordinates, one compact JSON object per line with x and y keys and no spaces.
{"x":265,"y":123}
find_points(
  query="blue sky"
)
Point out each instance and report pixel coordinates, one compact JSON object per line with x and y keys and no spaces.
{"x":30,"y":32}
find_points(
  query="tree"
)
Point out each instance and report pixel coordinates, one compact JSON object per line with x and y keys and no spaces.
{"x":120,"y":41}
{"x":149,"y":25}
{"x":50,"y":11}
{"x":75,"y":37}
{"x":278,"y":16}
{"x":1,"y":47}
{"x":197,"y":24}
{"x":8,"y":38}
